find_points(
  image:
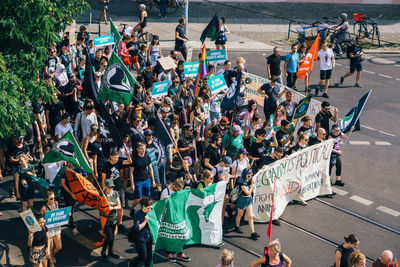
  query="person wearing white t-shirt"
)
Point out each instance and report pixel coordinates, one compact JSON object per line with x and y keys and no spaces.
{"x":64,"y":125}
{"x":326,"y":64}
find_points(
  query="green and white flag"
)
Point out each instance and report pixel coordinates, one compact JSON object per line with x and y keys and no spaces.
{"x":190,"y":216}
{"x":67,"y":149}
{"x":117,"y":83}
{"x":115,"y":34}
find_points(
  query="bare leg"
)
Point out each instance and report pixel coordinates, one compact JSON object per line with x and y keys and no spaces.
{"x":358,"y":76}
{"x":226,"y":50}
{"x":120,"y":214}
{"x":326,"y":86}
{"x":249,"y":214}
{"x":306,"y":83}
{"x":238,"y":217}
{"x":347,"y":75}
{"x":224,"y":207}
{"x":320,"y":83}
{"x":218,"y":47}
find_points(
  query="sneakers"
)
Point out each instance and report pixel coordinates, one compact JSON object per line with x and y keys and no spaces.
{"x":254,"y":236}
{"x":183,"y":257}
{"x":103,"y":256}
{"x":357,"y":85}
{"x":341,"y":80}
{"x":316,"y":91}
{"x":325,"y":95}
{"x":171,"y":257}
{"x":339,"y":183}
{"x":238,"y":230}
{"x":276,"y":222}
{"x":113,"y":255}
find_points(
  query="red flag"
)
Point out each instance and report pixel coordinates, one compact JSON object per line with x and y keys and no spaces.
{"x":308,"y":62}
{"x":270,"y":217}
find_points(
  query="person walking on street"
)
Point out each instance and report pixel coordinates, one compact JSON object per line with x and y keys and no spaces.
{"x":343,"y":251}
{"x":323,"y":117}
{"x":221,"y":39}
{"x":114,"y":204}
{"x":181,"y":38}
{"x":326,"y":64}
{"x":274,"y":257}
{"x":227,"y":258}
{"x":357,"y":259}
{"x":386,"y":260}
{"x":141,"y":229}
{"x":274,"y":66}
{"x":39,"y":245}
{"x":103,"y":4}
{"x":303,"y":54}
{"x":355,"y":54}
{"x":291,"y":63}
{"x":271,"y":92}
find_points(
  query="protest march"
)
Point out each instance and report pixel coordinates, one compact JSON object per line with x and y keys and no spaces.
{"x":183,"y":149}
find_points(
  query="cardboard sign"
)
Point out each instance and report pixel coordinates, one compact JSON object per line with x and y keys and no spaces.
{"x":191,"y":69}
{"x":216,"y":56}
{"x":103,"y":41}
{"x":57,"y":217}
{"x":216,"y":84}
{"x":160,"y":89}
{"x":30,"y":221}
{"x":167,"y":63}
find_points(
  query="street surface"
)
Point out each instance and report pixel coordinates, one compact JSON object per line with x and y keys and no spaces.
{"x":368,"y":205}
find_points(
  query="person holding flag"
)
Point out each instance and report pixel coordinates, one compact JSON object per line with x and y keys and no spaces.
{"x":306,"y":61}
{"x":69,"y":197}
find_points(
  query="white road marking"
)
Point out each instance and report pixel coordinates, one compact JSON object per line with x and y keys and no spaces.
{"x":368,"y":127}
{"x":361,"y":200}
{"x":363,"y":143}
{"x":384,"y":61}
{"x":388,"y":211}
{"x":382,"y":143}
{"x":397,"y":79}
{"x":385,"y":76}
{"x":370,"y":72}
{"x":387,"y":133}
{"x":338,"y":64}
{"x":340,"y":192}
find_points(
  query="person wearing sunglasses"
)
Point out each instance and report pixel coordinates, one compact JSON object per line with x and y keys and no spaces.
{"x":302,"y":143}
{"x":54,"y":232}
{"x":321,"y":136}
{"x":323,"y":117}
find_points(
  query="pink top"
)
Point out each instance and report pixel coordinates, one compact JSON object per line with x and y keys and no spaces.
{"x":122,"y":51}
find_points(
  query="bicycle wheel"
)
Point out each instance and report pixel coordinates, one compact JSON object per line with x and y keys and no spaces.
{"x":359,"y":29}
{"x":148,"y":3}
{"x":378,"y":36}
{"x":172,"y":6}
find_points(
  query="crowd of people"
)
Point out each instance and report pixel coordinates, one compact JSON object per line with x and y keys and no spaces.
{"x":210,"y":144}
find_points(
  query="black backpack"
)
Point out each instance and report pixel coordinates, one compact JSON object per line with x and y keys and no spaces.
{"x":266,"y":264}
{"x":133,"y":234}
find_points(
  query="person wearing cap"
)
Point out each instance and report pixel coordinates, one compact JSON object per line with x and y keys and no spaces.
{"x":260,"y":147}
{"x":138,"y":111}
{"x":271,"y":91}
{"x":284,"y":137}
{"x":213,"y":152}
{"x":154,"y":152}
{"x":232,"y":141}
{"x":221,"y":127}
{"x":114,"y":204}
{"x":244,"y":202}
{"x":84,"y":120}
{"x":64,"y":125}
{"x":187,"y":142}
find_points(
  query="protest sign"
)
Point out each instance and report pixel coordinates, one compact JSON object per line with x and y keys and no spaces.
{"x":217,"y":83}
{"x":57,"y":217}
{"x":301,"y":176}
{"x":30,"y":221}
{"x":216,"y":56}
{"x":102,"y":41}
{"x":188,"y":217}
{"x":167,"y":63}
{"x":191,"y":68}
{"x":160,"y":89}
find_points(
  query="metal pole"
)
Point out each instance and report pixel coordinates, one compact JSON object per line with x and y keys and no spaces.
{"x":186,"y":15}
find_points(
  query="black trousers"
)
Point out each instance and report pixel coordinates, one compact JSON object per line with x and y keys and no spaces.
{"x":269,"y":108}
{"x":109,"y":231}
{"x":69,"y":201}
{"x":335,"y":161}
{"x":144,"y":253}
{"x":182,"y":49}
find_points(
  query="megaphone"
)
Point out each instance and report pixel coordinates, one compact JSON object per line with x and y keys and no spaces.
{"x":247,"y":81}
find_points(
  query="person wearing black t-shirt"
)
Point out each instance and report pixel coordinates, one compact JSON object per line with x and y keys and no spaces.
{"x":284,"y":137}
{"x":140,"y":172}
{"x":274,"y":65}
{"x":213,"y":152}
{"x":355,"y":53}
{"x":276,"y":155}
{"x":317,"y":139}
{"x":187,"y":142}
{"x":54,"y":111}
{"x":323,"y":117}
{"x":306,"y":128}
{"x":271,"y":92}
{"x":111,"y":170}
{"x":303,"y":141}
{"x":148,"y":75}
{"x":181,"y":38}
{"x":39,"y":244}
{"x":259,"y":148}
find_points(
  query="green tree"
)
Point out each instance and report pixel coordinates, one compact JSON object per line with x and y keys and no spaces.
{"x":27,"y":28}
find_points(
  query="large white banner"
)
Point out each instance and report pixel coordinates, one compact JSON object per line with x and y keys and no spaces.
{"x":301,"y":176}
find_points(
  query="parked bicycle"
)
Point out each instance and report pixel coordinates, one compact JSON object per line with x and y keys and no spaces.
{"x":172,"y":5}
{"x":365,"y":27}
{"x":142,"y":36}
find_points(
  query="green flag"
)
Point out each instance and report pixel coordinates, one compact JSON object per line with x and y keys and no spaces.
{"x":188,"y":217}
{"x":40,"y":184}
{"x":67,"y":149}
{"x":117,"y":83}
{"x":115,"y":34}
{"x":211,"y":31}
{"x":302,"y":107}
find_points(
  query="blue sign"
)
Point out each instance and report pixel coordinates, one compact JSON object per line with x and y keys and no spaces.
{"x":82,"y":73}
{"x":216,"y":84}
{"x":216,"y":56}
{"x":191,"y":68}
{"x":160,"y":88}
{"x":103,"y":41}
{"x":57,"y":217}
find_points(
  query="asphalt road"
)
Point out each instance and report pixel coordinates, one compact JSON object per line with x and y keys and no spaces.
{"x":368,"y":205}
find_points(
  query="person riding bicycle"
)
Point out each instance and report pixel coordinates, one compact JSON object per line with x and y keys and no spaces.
{"x":341,"y":30}
{"x":142,"y":19}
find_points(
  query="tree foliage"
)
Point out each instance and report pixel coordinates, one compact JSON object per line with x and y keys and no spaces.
{"x":28,"y":27}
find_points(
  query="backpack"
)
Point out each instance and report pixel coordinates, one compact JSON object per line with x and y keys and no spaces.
{"x":235,"y":193}
{"x":266,"y":264}
{"x":133,"y":234}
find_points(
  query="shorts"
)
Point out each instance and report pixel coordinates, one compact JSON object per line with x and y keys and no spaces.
{"x":243,"y":202}
{"x":142,"y":189}
{"x":121,"y":196}
{"x":355,"y":66}
{"x":325,"y":74}
{"x":215,"y":116}
{"x":37,"y":255}
{"x":54,"y":231}
{"x":103,"y":5}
